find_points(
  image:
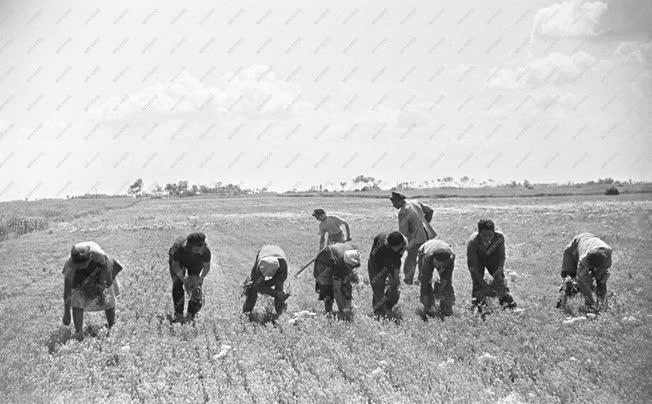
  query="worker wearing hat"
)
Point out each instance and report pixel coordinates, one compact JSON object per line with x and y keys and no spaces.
{"x":89,"y":284}
{"x":436,"y":255}
{"x":190,"y":262}
{"x":335,"y":274}
{"x":268,"y":274}
{"x":331,"y":225}
{"x":384,"y":271}
{"x":414,"y":222}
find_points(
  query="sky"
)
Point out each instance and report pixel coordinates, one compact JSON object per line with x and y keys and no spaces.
{"x":289,"y":94}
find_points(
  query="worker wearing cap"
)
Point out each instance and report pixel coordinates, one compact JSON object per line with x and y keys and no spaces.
{"x":436,"y":255}
{"x":384,"y":271}
{"x":586,"y":258}
{"x":268,"y":274}
{"x":414,"y":222}
{"x":486,"y":250}
{"x":89,"y":284}
{"x":190,"y":262}
{"x":334,"y":272}
{"x":331,"y":225}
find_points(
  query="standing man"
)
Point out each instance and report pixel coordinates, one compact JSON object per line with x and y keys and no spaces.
{"x":384,"y":271}
{"x":335,"y":274}
{"x":333,"y":226}
{"x":268,"y":274}
{"x":190,"y":256}
{"x":437,"y":254}
{"x":89,"y":285}
{"x":414,"y":222}
{"x":486,"y":249}
{"x":586,"y":258}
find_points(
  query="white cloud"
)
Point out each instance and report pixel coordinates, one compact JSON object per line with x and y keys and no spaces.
{"x":556,"y":68}
{"x":411,"y":116}
{"x":634,"y":52}
{"x":253,"y":92}
{"x":573,"y":18}
{"x":548,"y":101}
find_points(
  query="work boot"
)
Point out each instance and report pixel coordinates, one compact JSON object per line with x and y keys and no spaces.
{"x":446,"y":310}
{"x":507,"y":302}
{"x":591,"y":309}
{"x":479,"y":303}
{"x":347,"y":315}
{"x":328,"y":306}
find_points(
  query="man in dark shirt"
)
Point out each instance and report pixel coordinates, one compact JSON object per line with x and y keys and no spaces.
{"x":486,"y":250}
{"x":189,"y":256}
{"x":384,"y":271}
{"x":268,"y":275}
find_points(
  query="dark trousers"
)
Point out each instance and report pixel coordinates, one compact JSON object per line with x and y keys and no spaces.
{"x":345,"y":294}
{"x":327,"y":294}
{"x":499,"y":284}
{"x":384,"y":284}
{"x":252,"y":297}
{"x":178,"y":296}
{"x":441,"y":289}
{"x":410,"y":264}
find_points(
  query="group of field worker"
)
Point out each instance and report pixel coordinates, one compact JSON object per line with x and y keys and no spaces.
{"x":90,"y":282}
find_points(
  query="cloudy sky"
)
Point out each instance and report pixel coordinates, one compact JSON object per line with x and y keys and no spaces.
{"x":288,"y":94}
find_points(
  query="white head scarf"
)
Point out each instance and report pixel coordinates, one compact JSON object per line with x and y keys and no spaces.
{"x":268,"y":266}
{"x":352,"y":258}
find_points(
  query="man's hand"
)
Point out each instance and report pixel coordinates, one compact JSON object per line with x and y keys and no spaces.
{"x":283,"y":296}
{"x":354,"y":277}
{"x":66,"y":317}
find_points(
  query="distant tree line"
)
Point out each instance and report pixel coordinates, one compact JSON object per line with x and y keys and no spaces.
{"x":360,"y":183}
{"x":183,"y":188}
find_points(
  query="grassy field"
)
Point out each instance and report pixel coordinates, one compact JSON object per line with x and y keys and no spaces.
{"x":532,"y":356}
{"x":18,"y":217}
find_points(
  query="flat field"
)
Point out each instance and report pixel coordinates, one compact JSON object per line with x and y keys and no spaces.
{"x":532,"y":356}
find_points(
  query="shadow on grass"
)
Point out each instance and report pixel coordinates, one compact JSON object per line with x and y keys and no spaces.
{"x":394,"y":316}
{"x":63,"y":334}
{"x":59,"y":337}
{"x":425,"y":316}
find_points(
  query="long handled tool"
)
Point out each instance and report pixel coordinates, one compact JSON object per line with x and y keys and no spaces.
{"x":304,"y":267}
{"x":311,"y":261}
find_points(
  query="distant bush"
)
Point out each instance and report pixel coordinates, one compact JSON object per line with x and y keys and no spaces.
{"x":17,"y":225}
{"x":612,"y":191}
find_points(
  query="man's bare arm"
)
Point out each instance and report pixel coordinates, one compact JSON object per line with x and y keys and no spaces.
{"x":178,"y":271}
{"x":67,"y":292}
{"x":205,"y":270}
